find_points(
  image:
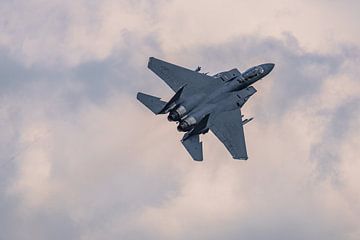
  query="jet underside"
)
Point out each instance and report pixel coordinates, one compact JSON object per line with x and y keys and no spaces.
{"x":202,"y":103}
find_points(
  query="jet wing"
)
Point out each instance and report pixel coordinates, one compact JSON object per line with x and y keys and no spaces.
{"x":176,"y":77}
{"x":228,"y":128}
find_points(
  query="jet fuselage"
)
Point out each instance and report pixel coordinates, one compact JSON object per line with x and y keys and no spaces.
{"x":189,"y":111}
{"x":202,"y":103}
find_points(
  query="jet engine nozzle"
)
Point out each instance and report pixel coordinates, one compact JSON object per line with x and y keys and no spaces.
{"x":177,"y":114}
{"x":173,"y":116}
{"x":183,"y":127}
{"x":187,"y":124}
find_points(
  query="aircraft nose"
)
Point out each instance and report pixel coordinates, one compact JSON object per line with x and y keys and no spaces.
{"x":268,"y":67}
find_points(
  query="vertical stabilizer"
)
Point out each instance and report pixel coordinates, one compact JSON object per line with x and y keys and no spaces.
{"x":172,"y":101}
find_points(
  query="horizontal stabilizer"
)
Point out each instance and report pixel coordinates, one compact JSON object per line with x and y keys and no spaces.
{"x":194,"y":147}
{"x":151,"y":102}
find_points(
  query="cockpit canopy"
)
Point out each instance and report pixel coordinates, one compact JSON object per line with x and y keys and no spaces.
{"x":253,"y":72}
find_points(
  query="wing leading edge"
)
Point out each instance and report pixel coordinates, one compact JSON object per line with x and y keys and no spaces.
{"x":176,"y":77}
{"x":228,"y":128}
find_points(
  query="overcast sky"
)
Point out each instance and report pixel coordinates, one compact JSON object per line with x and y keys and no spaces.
{"x":80,"y":158}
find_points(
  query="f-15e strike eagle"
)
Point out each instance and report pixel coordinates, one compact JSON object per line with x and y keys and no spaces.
{"x":202,"y":102}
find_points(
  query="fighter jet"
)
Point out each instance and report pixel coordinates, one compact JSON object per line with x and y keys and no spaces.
{"x":202,"y":103}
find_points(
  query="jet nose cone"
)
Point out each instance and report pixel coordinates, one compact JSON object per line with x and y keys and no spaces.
{"x":268,"y":67}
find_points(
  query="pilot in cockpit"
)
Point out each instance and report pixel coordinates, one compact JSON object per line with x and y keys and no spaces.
{"x":253,"y":72}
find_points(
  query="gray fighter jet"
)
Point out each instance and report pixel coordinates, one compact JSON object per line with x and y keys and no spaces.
{"x":202,"y":102}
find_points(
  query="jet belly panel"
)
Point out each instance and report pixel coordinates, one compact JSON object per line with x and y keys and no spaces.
{"x":202,"y":103}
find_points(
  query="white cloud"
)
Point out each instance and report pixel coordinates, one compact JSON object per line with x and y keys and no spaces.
{"x":67,"y":32}
{"x":116,"y":177}
{"x":72,"y":32}
{"x":34,"y":167}
{"x":89,"y":165}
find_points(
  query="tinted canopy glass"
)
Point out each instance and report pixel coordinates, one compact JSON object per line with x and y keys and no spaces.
{"x":253,"y":72}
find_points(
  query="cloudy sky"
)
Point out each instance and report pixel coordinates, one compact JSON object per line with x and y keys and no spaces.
{"x":80,"y":158}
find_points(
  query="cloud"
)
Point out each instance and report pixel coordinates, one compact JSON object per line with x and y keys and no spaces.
{"x":68,"y":33}
{"x":82,"y":159}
